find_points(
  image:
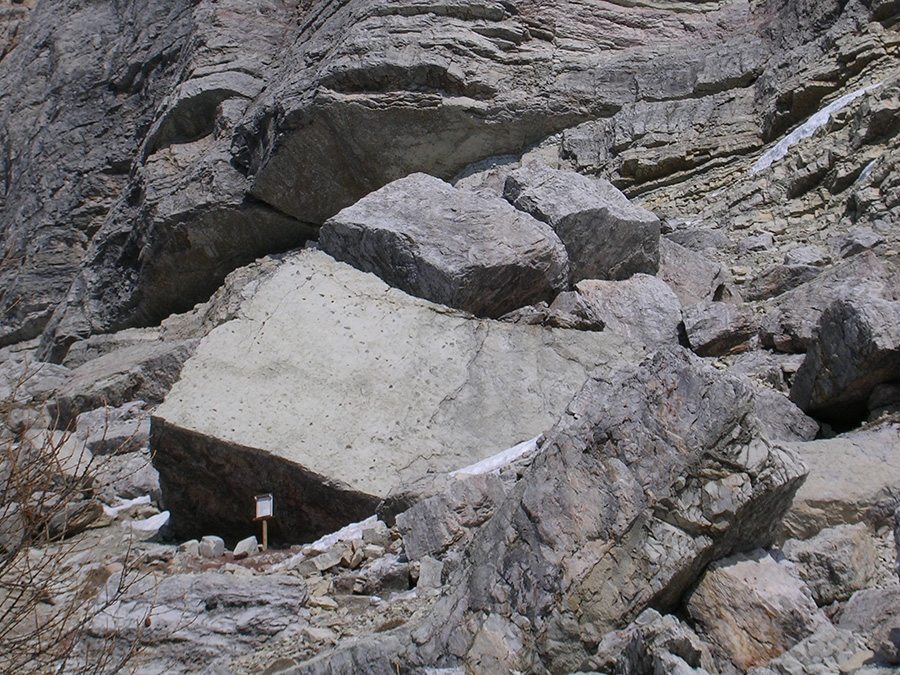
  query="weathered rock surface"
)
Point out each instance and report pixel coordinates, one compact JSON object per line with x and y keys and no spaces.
{"x":255,"y":125}
{"x":143,"y":371}
{"x":312,"y":351}
{"x":642,"y":308}
{"x":447,"y":519}
{"x":781,"y":420}
{"x":114,"y":430}
{"x":718,"y":328}
{"x":828,"y":650}
{"x":651,"y":643}
{"x":854,"y":348}
{"x":789,"y":326}
{"x":605,"y":235}
{"x":453,"y":247}
{"x":190,"y":613}
{"x":692,"y":277}
{"x":875,"y":614}
{"x":852,"y":478}
{"x":835,"y":563}
{"x":754,"y":608}
{"x":597,"y":530}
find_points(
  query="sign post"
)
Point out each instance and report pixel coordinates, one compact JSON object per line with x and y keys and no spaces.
{"x":265,"y":509}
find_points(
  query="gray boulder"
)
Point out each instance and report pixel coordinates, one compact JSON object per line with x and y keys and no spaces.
{"x":693,"y":277}
{"x":114,"y":430}
{"x":854,"y":348}
{"x":828,"y":650}
{"x":779,"y":279}
{"x":615,"y":514}
{"x":780,"y":419}
{"x":309,"y":353}
{"x":449,"y":518}
{"x":753,"y":607}
{"x":605,"y":235}
{"x":652,"y":643}
{"x":642,"y":308}
{"x":191,"y":613}
{"x":568,"y":310}
{"x":142,"y":371}
{"x":127,"y":476}
{"x":861,"y":487}
{"x":897,"y":540}
{"x":835,"y":563}
{"x":874,"y":613}
{"x":884,"y":400}
{"x":718,"y":328}
{"x":450,"y":246}
{"x":776,"y":369}
{"x":789,"y":326}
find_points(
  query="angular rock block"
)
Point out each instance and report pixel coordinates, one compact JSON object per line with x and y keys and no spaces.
{"x":835,"y":563}
{"x":693,"y":277}
{"x":330,"y":388}
{"x":450,"y":246}
{"x":654,"y":472}
{"x":789,"y":326}
{"x":855,"y":347}
{"x":142,"y":371}
{"x":754,"y":608}
{"x":718,"y":328}
{"x":605,"y":235}
{"x":641,"y":308}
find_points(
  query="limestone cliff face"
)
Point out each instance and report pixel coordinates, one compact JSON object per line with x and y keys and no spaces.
{"x":150,"y":148}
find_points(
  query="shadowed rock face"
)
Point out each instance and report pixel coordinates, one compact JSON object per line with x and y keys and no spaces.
{"x":214,"y":132}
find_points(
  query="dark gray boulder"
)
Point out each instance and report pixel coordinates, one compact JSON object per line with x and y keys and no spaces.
{"x":605,"y":235}
{"x":789,"y":325}
{"x":449,"y":246}
{"x":855,"y":347}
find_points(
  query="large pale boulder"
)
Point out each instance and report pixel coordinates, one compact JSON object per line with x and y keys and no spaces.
{"x":605,"y":235}
{"x":449,"y":246}
{"x":754,"y":608}
{"x":852,"y":478}
{"x":330,"y":388}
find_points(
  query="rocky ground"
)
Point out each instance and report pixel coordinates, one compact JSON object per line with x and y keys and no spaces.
{"x":583,"y":318}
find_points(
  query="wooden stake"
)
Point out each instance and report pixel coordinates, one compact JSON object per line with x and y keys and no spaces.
{"x":265,"y":535}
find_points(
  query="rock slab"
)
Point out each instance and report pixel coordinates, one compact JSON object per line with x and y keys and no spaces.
{"x":280,"y":399}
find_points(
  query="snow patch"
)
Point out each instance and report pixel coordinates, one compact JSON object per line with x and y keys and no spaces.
{"x":499,"y":460}
{"x":807,"y":129}
{"x":151,"y":524}
{"x":113,"y":511}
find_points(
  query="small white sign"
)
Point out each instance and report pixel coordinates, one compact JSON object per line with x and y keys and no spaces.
{"x":265,"y":506}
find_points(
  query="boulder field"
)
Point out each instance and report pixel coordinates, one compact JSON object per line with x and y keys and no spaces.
{"x":565,"y":336}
